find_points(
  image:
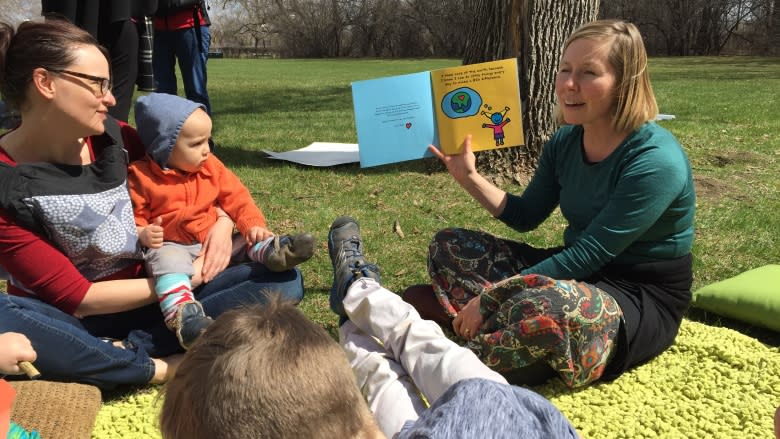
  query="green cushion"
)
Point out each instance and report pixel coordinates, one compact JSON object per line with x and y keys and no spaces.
{"x":752,"y":296}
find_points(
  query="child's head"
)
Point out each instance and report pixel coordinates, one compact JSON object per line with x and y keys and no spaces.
{"x":174,"y":130}
{"x":265,"y":372}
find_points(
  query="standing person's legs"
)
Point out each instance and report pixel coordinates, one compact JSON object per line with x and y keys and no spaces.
{"x":121,"y":39}
{"x":192,"y":50}
{"x":164,"y":61}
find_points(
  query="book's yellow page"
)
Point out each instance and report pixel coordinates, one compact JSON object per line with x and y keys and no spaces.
{"x":478,"y":99}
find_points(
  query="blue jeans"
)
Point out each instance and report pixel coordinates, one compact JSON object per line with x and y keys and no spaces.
{"x":182,"y":44}
{"x":70,"y":349}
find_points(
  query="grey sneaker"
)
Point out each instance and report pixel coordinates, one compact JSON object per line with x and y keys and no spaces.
{"x":190,"y":322}
{"x":289,"y":251}
{"x":345,"y":248}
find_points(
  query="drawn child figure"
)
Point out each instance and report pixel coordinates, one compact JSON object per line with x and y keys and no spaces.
{"x":497,"y":124}
{"x":179,"y":191}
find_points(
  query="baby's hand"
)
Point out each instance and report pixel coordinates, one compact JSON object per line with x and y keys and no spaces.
{"x":257,"y":234}
{"x":151,"y":236}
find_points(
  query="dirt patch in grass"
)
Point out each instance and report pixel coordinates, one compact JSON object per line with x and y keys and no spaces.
{"x":721,"y":159}
{"x":741,"y":166}
{"x":711,"y":188}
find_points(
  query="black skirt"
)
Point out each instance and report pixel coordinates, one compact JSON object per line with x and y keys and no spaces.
{"x":653,"y":296}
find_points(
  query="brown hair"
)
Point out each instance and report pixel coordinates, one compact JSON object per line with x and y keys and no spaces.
{"x":264,"y":371}
{"x":636,"y":102}
{"x":36,"y":44}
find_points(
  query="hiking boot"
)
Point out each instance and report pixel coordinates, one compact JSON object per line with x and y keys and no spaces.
{"x":289,"y":251}
{"x":189,"y":323}
{"x":345,"y":248}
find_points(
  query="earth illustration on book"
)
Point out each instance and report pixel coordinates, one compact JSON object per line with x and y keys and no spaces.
{"x":461,"y":102}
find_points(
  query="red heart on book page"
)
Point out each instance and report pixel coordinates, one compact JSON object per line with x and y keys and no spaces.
{"x":408,"y":125}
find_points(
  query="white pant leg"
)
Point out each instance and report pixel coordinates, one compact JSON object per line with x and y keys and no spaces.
{"x":432,"y":360}
{"x":388,"y":389}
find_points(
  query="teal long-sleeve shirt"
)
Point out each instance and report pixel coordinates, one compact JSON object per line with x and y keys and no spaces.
{"x":636,"y":205}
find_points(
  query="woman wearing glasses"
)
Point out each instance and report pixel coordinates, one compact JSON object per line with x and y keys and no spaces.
{"x":67,"y":236}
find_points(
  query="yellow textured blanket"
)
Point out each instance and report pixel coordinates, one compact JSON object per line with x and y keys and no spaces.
{"x":713,"y":383}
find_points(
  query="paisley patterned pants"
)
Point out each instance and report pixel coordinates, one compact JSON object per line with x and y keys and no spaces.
{"x":572,"y":326}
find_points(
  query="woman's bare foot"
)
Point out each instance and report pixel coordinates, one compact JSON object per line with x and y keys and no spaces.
{"x":165,"y":368}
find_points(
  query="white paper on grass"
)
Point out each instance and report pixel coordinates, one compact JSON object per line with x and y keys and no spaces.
{"x":320,"y":154}
{"x":332,"y":154}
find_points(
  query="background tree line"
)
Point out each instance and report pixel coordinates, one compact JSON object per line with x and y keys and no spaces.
{"x":439,"y":28}
{"x":481,"y":30}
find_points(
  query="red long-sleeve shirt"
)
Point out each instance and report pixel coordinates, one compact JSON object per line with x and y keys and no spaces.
{"x":183,"y":19}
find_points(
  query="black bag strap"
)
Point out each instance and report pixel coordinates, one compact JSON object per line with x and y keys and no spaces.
{"x":32,"y":179}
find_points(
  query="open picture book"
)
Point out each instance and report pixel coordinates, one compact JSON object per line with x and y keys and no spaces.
{"x":397,"y":117}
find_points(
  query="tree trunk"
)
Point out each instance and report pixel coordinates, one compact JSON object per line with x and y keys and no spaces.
{"x":491,"y":35}
{"x":533,"y":31}
{"x":774,"y":24}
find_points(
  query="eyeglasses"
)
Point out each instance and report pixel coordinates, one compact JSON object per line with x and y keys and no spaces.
{"x":104,"y":83}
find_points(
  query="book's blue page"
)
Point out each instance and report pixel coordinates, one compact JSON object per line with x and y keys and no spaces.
{"x":394,"y":118}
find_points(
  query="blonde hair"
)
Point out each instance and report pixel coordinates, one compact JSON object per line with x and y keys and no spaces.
{"x":635,"y":101}
{"x":265,"y":371}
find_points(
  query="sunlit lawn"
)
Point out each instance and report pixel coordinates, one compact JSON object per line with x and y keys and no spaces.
{"x":727,"y":117}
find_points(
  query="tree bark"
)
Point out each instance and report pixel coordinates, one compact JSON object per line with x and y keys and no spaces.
{"x":533,"y":31}
{"x":490,"y":36}
{"x":774,"y":24}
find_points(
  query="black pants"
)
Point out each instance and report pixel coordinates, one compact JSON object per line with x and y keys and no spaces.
{"x":121,"y":40}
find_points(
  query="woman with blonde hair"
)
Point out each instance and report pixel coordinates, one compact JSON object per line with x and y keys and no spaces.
{"x":614,"y":294}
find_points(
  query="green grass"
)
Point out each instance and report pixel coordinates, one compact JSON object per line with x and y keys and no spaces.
{"x":727,"y":118}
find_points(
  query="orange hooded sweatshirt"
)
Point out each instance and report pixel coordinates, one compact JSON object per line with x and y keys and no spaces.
{"x":188,"y":203}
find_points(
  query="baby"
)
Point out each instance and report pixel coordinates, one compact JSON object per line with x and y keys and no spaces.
{"x":179,"y":191}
